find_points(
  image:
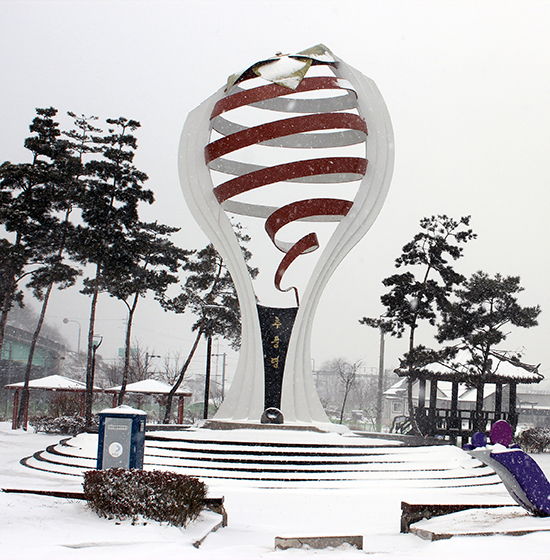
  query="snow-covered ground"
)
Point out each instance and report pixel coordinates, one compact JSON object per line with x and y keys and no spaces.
{"x":37,"y":527}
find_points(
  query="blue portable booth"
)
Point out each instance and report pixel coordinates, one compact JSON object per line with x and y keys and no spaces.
{"x":121,"y":442}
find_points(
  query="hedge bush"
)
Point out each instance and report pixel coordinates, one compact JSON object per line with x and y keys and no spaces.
{"x":534,"y":440}
{"x":160,"y":496}
{"x":66,"y":425}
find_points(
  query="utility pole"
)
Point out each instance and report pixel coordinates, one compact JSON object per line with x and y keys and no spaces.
{"x":223,"y":372}
{"x":383,"y":328}
{"x":380,"y":382}
{"x":223,"y":376}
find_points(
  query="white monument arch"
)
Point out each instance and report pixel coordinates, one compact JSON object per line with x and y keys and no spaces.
{"x":281,"y":144}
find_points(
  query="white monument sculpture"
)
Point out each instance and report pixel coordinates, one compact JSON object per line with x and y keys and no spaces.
{"x":280,"y":145}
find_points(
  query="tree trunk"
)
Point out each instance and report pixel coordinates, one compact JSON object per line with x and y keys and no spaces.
{"x":348,"y":384}
{"x":90,"y":373}
{"x":479,"y":424}
{"x":343,"y":407}
{"x":25,"y":393}
{"x":9,"y":291}
{"x":177,"y":384}
{"x":410,"y":404}
{"x":7,"y":302}
{"x":127,"y":348}
{"x":412,"y":416}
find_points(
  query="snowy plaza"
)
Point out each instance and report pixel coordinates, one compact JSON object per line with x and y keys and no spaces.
{"x":342,"y":383}
{"x":366,"y":504}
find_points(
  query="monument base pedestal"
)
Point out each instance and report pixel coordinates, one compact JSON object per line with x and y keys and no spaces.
{"x":230,"y":425}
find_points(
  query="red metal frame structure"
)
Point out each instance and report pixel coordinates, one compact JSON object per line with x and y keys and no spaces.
{"x":55,"y":383}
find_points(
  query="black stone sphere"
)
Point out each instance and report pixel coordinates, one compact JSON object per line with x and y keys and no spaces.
{"x":272,"y":416}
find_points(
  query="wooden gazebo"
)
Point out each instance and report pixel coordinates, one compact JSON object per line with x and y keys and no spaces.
{"x":454,"y":422}
{"x":53,"y":383}
{"x":152,"y":387}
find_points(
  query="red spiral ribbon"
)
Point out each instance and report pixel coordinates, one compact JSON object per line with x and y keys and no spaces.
{"x":304,"y":131}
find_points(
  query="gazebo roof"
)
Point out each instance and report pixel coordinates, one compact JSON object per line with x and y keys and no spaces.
{"x":52,"y":383}
{"x":444,"y":391}
{"x":503,"y":370}
{"x":148,"y":387}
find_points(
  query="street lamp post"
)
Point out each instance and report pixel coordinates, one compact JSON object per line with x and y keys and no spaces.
{"x":95,"y":345}
{"x":208,"y":368}
{"x":66,"y":321}
{"x":148,"y":358}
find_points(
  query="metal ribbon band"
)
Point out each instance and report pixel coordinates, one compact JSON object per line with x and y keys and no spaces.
{"x":326,"y":125}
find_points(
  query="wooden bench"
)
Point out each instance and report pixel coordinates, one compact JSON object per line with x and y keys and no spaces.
{"x":318,"y":542}
{"x":411,"y":513}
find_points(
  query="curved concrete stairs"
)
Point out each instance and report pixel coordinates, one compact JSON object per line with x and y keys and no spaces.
{"x":272,"y":460}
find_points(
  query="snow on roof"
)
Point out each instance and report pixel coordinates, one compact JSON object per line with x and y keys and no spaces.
{"x":396,"y":389}
{"x":503,"y":368}
{"x":470,"y":395}
{"x":52,"y":382}
{"x":148,"y":386}
{"x":444,"y":391}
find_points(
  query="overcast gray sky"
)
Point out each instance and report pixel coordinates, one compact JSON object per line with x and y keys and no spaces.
{"x":466,"y":83}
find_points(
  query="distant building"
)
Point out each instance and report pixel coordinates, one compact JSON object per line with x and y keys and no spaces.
{"x":15,"y":353}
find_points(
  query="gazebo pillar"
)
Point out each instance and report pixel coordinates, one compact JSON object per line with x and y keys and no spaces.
{"x":421,"y":408}
{"x":498,"y":401}
{"x":16,"y":402}
{"x":454,"y":421}
{"x":433,"y":407}
{"x":479,"y":424}
{"x":15,"y":409}
{"x":512,"y":413}
{"x":421,"y":393}
{"x":181,"y":400}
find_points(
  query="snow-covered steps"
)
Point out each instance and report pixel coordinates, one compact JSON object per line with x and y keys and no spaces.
{"x":71,"y":456}
{"x":277,"y":458}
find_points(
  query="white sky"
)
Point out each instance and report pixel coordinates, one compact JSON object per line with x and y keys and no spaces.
{"x":466,"y":83}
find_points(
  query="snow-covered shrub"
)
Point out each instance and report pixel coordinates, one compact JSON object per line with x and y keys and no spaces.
{"x":66,"y":425}
{"x":161,"y":496}
{"x":65,"y":404}
{"x":534,"y":440}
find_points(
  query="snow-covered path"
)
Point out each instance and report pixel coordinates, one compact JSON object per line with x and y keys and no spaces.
{"x":46,"y":528}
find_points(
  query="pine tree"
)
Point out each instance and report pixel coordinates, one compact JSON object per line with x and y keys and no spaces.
{"x":209,"y":293}
{"x":26,"y":210}
{"x":113,"y":189}
{"x":153,"y":265}
{"x":475,"y":321}
{"x":414,"y":298}
{"x":41,"y":199}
